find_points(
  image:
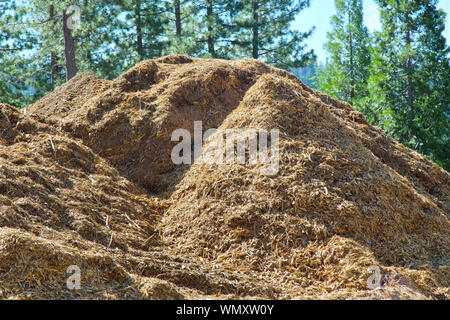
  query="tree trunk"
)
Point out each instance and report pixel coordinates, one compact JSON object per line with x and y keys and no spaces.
{"x":137,"y":11}
{"x":177,"y":6}
{"x":53,"y":58}
{"x":409,"y":85}
{"x":209,"y":17}
{"x":409,"y":70}
{"x":352,"y":66}
{"x":255,"y":30}
{"x":69,"y":50}
{"x":89,"y":15}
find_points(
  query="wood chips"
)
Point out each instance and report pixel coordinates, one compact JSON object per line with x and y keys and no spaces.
{"x":86,"y":179}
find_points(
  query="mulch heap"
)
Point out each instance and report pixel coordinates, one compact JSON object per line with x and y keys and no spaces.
{"x":129,"y":121}
{"x":86,"y":179}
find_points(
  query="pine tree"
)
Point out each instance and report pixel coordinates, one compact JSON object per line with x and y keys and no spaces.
{"x":310,"y":73}
{"x":99,"y":47}
{"x":19,"y":67}
{"x":410,"y":83}
{"x":264,"y":32}
{"x":54,"y":25}
{"x":36,"y":60}
{"x":349,"y":48}
{"x":214,"y":20}
{"x":144,"y":23}
{"x":182,"y":29}
{"x":69,"y":45}
{"x":6,"y":92}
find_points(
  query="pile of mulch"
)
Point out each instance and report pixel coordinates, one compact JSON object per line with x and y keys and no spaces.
{"x":86,"y":179}
{"x":62,"y":205}
{"x":333,"y":210}
{"x":129,"y":121}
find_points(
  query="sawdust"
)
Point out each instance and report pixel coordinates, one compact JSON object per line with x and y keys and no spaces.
{"x":129,"y":121}
{"x":86,"y":179}
{"x":333,"y":210}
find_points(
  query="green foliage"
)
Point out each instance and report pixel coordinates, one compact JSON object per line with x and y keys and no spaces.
{"x":399,"y":77}
{"x":136,"y":29}
{"x":182,"y":30}
{"x":410,"y":83}
{"x":401,"y":82}
{"x":18,"y":65}
{"x":214,"y":24}
{"x":263,"y":32}
{"x":34,"y":36}
{"x":348,"y":44}
{"x":114,"y":35}
{"x":310,"y":73}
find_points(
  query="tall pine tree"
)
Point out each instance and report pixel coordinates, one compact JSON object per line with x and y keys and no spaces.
{"x":214,"y":20}
{"x":20,"y":67}
{"x":264,"y":32}
{"x":143,"y":23}
{"x":182,"y":29}
{"x":410,"y":83}
{"x":6,"y":89}
{"x":349,"y":48}
{"x":34,"y":59}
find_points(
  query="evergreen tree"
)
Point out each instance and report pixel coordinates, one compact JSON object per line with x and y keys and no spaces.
{"x":264,"y":32}
{"x":6,"y":92}
{"x":410,"y":83}
{"x":144,"y":23}
{"x":182,"y":29}
{"x":36,"y":60}
{"x":99,"y":46}
{"x":310,"y":73}
{"x":348,"y":45}
{"x":19,"y":66}
{"x":214,"y":20}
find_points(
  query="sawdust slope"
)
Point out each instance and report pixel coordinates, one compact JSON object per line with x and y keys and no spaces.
{"x":129,"y":121}
{"x":333,"y":210}
{"x":62,"y":205}
{"x":77,"y":166}
{"x":58,"y":203}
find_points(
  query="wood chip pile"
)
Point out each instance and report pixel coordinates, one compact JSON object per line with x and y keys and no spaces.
{"x":86,"y":179}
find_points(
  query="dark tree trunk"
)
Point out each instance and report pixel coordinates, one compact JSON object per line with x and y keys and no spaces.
{"x":69,"y":50}
{"x":137,"y":11}
{"x":209,"y":15}
{"x":352,"y":65}
{"x":89,"y":16}
{"x":53,"y":58}
{"x":409,"y":71}
{"x":409,"y":85}
{"x":177,"y":6}
{"x":255,"y":29}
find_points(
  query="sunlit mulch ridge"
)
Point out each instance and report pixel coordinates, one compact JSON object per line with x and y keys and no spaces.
{"x":76,"y":169}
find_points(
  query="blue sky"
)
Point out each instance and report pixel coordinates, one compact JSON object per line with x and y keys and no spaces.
{"x":320,"y":12}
